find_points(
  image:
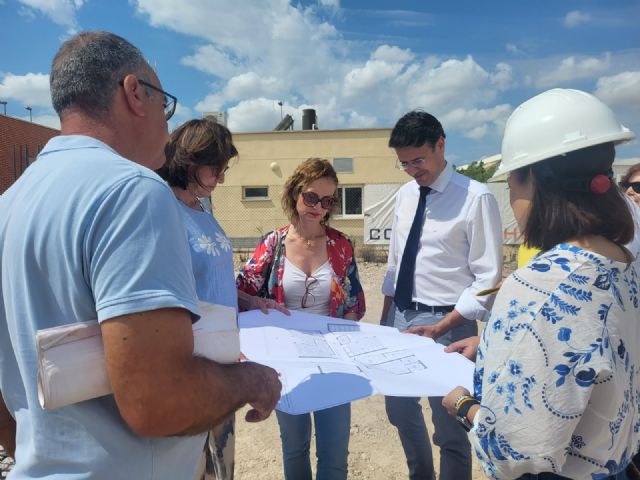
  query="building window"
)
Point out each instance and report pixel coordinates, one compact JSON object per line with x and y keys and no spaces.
{"x":343,"y":165}
{"x":349,"y":201}
{"x":255,"y":193}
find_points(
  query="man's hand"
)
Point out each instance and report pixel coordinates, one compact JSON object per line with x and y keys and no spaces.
{"x":449,"y":401}
{"x":450,"y":321}
{"x":268,"y":387}
{"x":431,"y":331}
{"x":467,"y":347}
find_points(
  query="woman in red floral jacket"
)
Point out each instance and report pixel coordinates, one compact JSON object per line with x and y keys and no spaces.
{"x":309,"y":266}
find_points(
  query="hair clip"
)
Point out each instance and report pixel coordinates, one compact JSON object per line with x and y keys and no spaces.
{"x":600,"y":184}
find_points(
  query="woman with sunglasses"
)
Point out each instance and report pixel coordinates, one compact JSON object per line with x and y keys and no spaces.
{"x":309,"y":266}
{"x":197,"y":158}
{"x":630,"y":183}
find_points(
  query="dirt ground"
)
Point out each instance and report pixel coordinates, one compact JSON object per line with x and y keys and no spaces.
{"x":375,"y":452}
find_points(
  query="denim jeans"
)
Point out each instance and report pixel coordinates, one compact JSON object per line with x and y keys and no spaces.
{"x":332,"y":443}
{"x":405,"y":413}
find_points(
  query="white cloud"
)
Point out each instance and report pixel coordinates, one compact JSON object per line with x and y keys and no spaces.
{"x":622,"y":90}
{"x":512,"y":48}
{"x":478,"y":132}
{"x":572,"y":68}
{"x":257,"y":114}
{"x":477,"y":123}
{"x":61,"y":12}
{"x":210,"y":59}
{"x":250,"y":84}
{"x":361,"y":121}
{"x":576,"y":18}
{"x":361,"y":81}
{"x":293,"y":55}
{"x":450,"y":84}
{"x":503,"y":76}
{"x":391,"y":54}
{"x":334,"y":4}
{"x":30,"y":89}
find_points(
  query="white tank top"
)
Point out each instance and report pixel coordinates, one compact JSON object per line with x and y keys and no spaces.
{"x":308,"y":294}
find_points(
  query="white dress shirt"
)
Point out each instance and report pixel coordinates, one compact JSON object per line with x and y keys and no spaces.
{"x":460,"y":247}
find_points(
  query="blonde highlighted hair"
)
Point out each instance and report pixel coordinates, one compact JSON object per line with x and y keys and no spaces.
{"x":307,"y":172}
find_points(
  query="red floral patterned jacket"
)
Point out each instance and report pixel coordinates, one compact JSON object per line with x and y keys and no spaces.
{"x":346,"y":294}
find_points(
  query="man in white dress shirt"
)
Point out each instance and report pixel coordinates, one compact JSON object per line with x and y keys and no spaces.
{"x":453,"y":245}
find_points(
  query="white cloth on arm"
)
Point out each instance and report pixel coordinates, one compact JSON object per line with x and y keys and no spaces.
{"x":461,"y":244}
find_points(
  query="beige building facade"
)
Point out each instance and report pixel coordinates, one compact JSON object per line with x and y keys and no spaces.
{"x":247,"y":205}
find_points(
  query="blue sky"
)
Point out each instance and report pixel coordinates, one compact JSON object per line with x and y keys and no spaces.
{"x":358,"y":63}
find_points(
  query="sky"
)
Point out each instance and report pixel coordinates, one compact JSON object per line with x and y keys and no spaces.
{"x":358,"y":63}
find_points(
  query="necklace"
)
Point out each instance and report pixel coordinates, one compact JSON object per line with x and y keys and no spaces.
{"x":309,"y":241}
{"x":195,"y":203}
{"x":198,"y":202}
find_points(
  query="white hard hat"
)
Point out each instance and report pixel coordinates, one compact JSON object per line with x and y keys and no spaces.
{"x":555,"y":122}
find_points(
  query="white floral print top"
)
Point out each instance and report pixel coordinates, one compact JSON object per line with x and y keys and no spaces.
{"x":211,"y":258}
{"x":557,"y":372}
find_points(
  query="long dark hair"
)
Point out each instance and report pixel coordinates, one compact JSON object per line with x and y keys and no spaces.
{"x":565,"y":207}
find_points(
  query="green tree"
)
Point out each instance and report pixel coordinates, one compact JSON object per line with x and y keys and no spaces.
{"x":477,"y":171}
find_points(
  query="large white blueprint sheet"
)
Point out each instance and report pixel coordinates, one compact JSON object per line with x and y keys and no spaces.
{"x":325,"y":361}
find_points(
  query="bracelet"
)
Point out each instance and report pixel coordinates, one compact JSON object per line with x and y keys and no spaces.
{"x":459,"y":401}
{"x":461,"y":409}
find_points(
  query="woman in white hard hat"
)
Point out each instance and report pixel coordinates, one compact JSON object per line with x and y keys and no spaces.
{"x":557,"y":384}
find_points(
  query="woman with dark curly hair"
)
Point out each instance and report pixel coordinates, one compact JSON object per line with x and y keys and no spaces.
{"x":198,"y":156}
{"x":311,"y":267}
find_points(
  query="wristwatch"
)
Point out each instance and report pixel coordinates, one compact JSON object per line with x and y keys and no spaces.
{"x":461,"y":409}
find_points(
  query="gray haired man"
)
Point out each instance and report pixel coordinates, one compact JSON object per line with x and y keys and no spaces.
{"x":90,"y":231}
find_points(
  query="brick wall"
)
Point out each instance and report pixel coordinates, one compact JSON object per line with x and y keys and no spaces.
{"x":20,"y":142}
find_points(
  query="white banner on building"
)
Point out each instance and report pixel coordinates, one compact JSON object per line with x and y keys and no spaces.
{"x":379,"y":201}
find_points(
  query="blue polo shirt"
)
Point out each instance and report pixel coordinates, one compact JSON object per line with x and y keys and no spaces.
{"x":86,"y":234}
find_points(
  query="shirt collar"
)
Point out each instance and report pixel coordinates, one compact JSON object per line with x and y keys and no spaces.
{"x":73,"y":142}
{"x":443,"y":179}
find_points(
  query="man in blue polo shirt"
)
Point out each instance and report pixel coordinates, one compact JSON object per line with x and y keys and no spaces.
{"x":90,"y":232}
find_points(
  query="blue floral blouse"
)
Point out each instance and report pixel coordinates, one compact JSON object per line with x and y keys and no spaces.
{"x":558,"y":369}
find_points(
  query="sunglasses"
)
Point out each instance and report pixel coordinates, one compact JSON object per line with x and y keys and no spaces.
{"x":308,"y":284}
{"x":311,"y":199}
{"x":635,"y":186}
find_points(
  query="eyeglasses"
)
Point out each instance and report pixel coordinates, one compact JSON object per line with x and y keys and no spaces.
{"x":635,"y":186}
{"x":308,"y":283}
{"x":169,"y":103}
{"x":412,"y":163}
{"x":311,"y":199}
{"x":224,"y":170}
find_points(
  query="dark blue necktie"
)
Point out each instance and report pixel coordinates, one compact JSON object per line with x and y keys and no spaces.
{"x":404,"y":285}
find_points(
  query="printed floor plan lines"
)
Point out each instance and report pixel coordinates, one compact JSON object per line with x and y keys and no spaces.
{"x":312,"y":345}
{"x":396,"y":363}
{"x":359,"y":344}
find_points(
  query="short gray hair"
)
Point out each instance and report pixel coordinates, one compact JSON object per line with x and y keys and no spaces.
{"x":86,"y":70}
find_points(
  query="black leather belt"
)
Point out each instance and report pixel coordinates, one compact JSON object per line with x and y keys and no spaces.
{"x":421,"y":307}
